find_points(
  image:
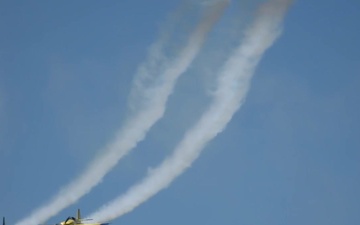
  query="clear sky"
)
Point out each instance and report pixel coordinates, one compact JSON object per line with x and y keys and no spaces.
{"x":290,"y":155}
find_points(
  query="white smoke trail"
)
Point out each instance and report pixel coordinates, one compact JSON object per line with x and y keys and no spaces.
{"x":137,"y":126}
{"x":233,"y":84}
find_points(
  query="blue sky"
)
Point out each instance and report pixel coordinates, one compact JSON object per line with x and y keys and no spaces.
{"x":289,"y":156}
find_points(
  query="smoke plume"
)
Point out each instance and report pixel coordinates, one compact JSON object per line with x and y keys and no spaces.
{"x":232,"y":86}
{"x":143,"y":118}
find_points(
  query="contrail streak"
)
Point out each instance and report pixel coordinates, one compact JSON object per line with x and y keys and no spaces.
{"x":233,"y":84}
{"x":137,"y":126}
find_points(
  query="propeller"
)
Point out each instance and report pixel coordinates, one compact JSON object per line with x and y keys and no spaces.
{"x":70,"y":218}
{"x":3,"y":220}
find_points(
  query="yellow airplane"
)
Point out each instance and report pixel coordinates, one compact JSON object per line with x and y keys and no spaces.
{"x":77,"y":221}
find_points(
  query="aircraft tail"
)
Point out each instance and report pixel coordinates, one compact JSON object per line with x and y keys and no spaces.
{"x":3,"y":220}
{"x":78,"y":217}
